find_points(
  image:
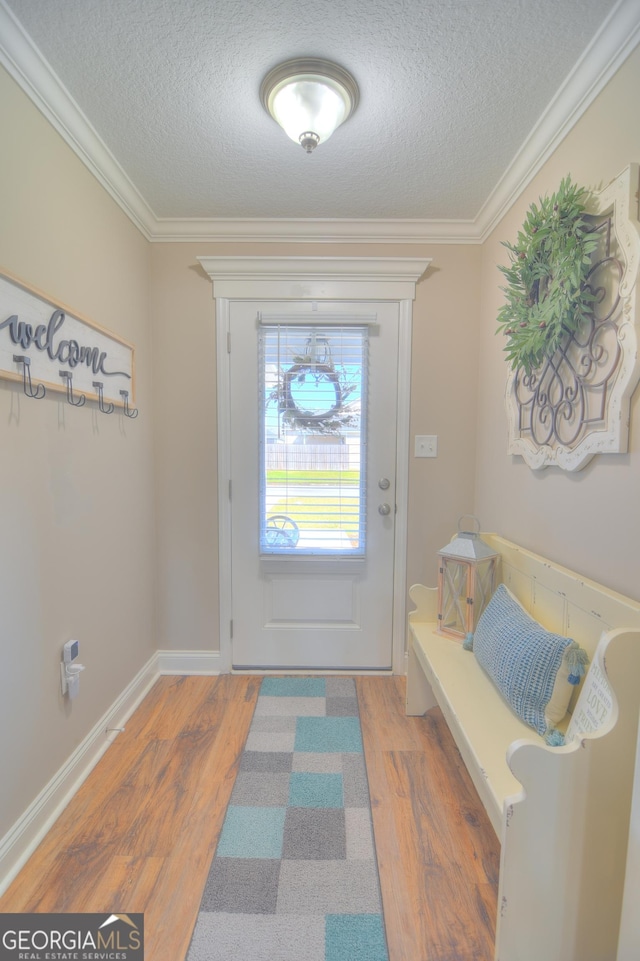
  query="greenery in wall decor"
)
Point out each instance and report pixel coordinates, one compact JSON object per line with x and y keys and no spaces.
{"x":546,"y":294}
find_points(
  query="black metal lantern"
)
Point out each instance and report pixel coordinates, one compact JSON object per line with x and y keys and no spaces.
{"x":467,"y":575}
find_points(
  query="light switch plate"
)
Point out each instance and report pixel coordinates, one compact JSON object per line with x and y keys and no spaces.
{"x":426,"y":445}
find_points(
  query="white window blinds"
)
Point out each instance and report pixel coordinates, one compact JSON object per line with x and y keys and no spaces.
{"x":313,"y":394}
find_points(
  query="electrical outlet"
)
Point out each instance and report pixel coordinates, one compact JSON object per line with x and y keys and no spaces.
{"x":70,"y":678}
{"x":426,"y":445}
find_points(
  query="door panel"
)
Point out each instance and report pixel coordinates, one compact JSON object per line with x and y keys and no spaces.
{"x":312,"y":606}
{"x":292,"y":599}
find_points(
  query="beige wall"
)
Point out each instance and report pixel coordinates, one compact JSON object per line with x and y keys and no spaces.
{"x":444,"y":383}
{"x":184,"y":363}
{"x":76,"y":495}
{"x":589,"y":520}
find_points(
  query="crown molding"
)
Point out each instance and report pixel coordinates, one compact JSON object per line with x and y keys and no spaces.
{"x":613,"y":43}
{"x":276,"y":230}
{"x":616,"y":39}
{"x":24,"y":62}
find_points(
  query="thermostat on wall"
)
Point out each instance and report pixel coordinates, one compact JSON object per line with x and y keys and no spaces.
{"x":70,"y":651}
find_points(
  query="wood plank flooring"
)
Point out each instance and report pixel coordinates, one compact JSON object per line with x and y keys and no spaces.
{"x":438,"y":855}
{"x":141,"y":831}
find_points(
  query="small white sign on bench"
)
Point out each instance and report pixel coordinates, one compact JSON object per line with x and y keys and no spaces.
{"x":593,"y":706}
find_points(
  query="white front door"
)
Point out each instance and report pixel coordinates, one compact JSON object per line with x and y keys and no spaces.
{"x":313,"y":391}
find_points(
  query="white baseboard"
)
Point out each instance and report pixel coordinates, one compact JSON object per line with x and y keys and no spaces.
{"x":19,"y":843}
{"x":189,"y":662}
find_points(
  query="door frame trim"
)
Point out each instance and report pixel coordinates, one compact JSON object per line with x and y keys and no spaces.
{"x":313,"y":278}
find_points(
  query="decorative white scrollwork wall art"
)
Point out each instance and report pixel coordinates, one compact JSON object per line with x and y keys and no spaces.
{"x":576,"y":403}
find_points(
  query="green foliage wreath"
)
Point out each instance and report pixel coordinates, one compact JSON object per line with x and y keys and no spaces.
{"x":547,"y":295}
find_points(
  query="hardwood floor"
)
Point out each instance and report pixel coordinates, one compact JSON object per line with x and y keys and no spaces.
{"x":438,"y":855}
{"x":141,"y":832}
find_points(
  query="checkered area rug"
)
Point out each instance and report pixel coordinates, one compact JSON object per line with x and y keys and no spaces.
{"x":294,"y":877}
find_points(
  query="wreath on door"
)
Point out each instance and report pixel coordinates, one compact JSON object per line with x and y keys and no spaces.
{"x":320,"y":373}
{"x":292,"y":398}
{"x":547,"y":295}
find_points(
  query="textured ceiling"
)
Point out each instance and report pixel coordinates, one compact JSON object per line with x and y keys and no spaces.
{"x":450,"y":91}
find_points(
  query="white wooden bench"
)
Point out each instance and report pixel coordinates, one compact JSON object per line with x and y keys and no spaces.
{"x":562,"y":814}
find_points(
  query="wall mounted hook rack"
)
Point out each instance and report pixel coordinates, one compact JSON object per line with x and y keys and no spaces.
{"x":128,"y":411}
{"x":40,"y":390}
{"x":47,"y":348}
{"x":105,"y":408}
{"x":81,"y":400}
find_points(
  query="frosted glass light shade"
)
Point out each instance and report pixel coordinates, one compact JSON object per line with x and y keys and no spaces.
{"x":309,"y":99}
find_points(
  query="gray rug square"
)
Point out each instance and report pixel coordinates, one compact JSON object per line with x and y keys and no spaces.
{"x":354,"y":779}
{"x":266,"y":761}
{"x":340,"y":687}
{"x":317,"y":763}
{"x":261,"y":789}
{"x":290,"y":706}
{"x":236,"y":937}
{"x":267,"y":741}
{"x":359,"y":833}
{"x":314,"y":834}
{"x":342,"y":707}
{"x":328,"y":887}
{"x":273,"y":723}
{"x":242,"y":886}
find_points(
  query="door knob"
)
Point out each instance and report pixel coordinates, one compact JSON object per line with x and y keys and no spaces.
{"x":384,"y":483}
{"x":384,"y":509}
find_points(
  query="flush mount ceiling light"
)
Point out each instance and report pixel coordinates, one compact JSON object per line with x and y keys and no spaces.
{"x":309,"y":99}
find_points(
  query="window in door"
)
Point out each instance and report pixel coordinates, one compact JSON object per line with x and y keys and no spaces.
{"x":313,"y":396}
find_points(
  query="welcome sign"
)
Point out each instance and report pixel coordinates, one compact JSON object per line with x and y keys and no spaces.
{"x":58,"y":343}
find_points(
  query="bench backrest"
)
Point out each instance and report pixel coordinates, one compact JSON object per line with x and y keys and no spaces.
{"x":561,"y":600}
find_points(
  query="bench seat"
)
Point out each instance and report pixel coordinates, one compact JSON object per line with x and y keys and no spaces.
{"x":482,"y":723}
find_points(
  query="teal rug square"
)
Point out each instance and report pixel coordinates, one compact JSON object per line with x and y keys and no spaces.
{"x":252,"y":832}
{"x":326,"y":734}
{"x":293,"y":687}
{"x":355,"y":937}
{"x":315,"y":790}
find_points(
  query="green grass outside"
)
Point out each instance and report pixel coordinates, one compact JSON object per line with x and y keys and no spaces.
{"x":322,"y":513}
{"x":351,"y":477}
{"x":312,"y":512}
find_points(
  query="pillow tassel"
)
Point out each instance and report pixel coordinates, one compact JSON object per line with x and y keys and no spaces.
{"x":467,"y":644}
{"x":554,"y":737}
{"x":576,"y":660}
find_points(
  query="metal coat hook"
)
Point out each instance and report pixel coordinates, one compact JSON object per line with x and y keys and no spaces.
{"x":40,"y":390}
{"x":128,"y":411}
{"x":105,"y":408}
{"x":81,"y":401}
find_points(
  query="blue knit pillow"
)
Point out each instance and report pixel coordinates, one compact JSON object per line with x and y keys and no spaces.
{"x":522,"y":658}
